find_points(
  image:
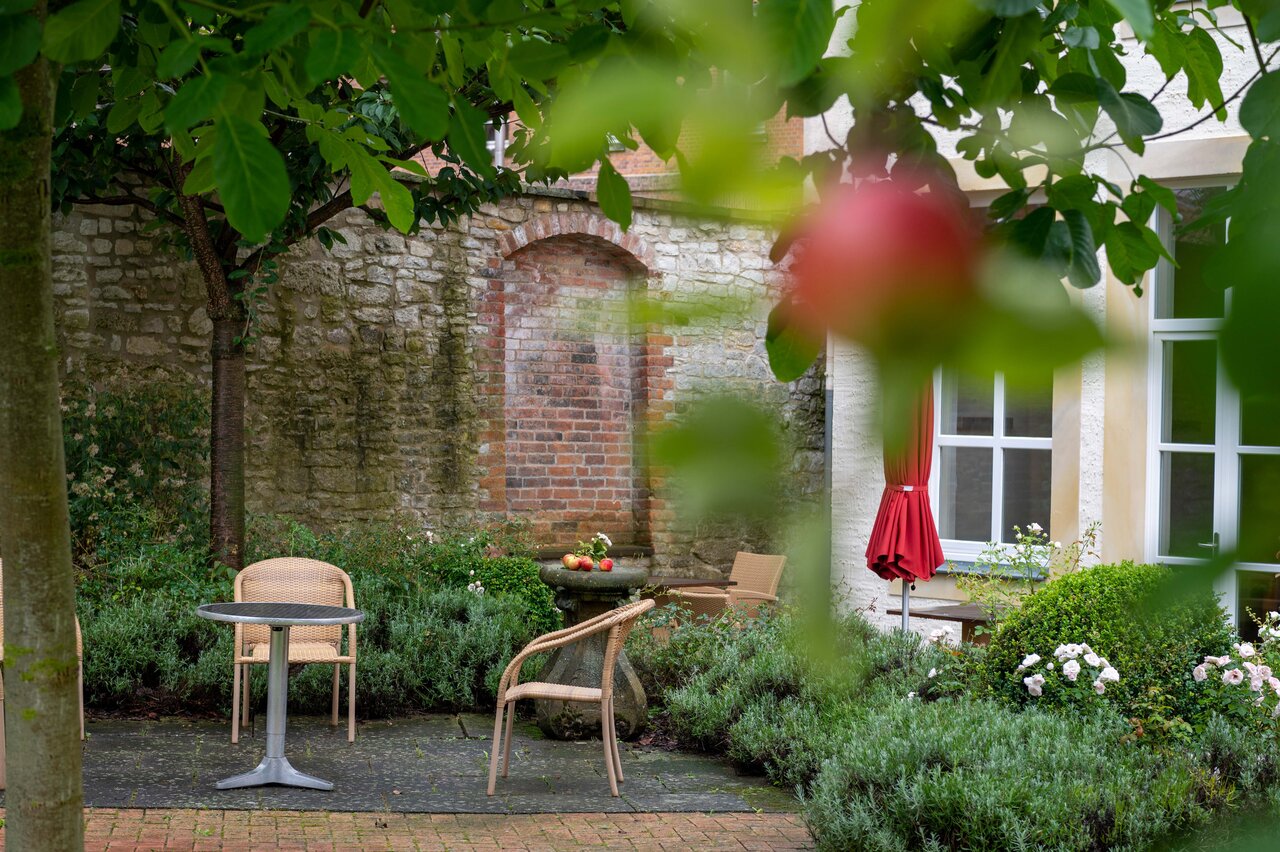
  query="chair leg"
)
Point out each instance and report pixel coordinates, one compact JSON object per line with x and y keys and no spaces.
{"x":333,"y":720}
{"x":613,"y":738}
{"x":2,"y":748}
{"x":235,"y":702}
{"x":80,"y":685}
{"x":244,"y":710}
{"x":506,"y":745}
{"x":608,"y":750}
{"x":351,"y":703}
{"x":497,"y":744}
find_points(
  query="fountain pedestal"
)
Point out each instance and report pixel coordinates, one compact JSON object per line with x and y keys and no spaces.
{"x":582,"y":595}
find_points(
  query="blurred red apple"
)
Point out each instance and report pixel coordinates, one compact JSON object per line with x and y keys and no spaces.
{"x":880,"y":258}
{"x":585,"y":563}
{"x":606,"y":564}
{"x":570,"y":561}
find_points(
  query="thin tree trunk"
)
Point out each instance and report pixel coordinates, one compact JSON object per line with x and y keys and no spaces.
{"x":44,"y":802}
{"x":226,"y":412}
{"x":226,"y":483}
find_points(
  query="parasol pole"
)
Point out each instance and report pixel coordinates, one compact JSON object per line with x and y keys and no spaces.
{"x":906,"y":604}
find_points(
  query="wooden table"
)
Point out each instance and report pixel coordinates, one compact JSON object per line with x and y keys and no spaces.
{"x":969,"y":616}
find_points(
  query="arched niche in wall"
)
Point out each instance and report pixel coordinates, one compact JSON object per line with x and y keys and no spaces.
{"x":575,"y":381}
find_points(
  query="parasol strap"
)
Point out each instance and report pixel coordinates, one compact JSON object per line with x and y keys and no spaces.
{"x":907,"y":488}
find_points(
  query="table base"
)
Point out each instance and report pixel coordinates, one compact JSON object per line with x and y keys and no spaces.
{"x":275,"y":770}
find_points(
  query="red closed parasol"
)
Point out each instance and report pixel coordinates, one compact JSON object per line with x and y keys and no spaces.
{"x":904,"y":541}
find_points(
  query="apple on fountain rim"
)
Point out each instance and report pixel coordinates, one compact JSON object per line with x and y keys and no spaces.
{"x":585,"y":563}
{"x":606,"y":564}
{"x":570,"y":561}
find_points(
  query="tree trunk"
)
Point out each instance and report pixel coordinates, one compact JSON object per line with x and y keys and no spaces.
{"x":226,"y":481}
{"x":45,"y":800}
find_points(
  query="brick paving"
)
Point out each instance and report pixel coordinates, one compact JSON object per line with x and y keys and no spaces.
{"x":312,"y":831}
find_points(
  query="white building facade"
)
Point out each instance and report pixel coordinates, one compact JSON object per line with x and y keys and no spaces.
{"x":1150,"y":440}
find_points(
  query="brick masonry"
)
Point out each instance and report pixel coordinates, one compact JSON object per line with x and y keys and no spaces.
{"x":485,"y":368}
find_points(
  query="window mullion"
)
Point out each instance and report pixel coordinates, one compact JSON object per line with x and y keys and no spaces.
{"x":997,"y":460}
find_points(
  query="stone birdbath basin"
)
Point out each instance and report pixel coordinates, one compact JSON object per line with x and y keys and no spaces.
{"x":581,"y":595}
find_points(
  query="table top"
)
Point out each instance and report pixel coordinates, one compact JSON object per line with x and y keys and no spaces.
{"x":279,"y":614}
{"x":952,"y":612}
{"x":689,"y":582}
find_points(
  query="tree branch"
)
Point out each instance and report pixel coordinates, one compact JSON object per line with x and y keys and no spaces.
{"x":129,"y":200}
{"x":221,"y":305}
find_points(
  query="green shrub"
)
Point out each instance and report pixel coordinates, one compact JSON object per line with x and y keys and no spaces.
{"x":1149,"y":624}
{"x":974,"y":775}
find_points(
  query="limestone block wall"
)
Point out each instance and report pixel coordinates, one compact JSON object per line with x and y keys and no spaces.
{"x":486,"y":368}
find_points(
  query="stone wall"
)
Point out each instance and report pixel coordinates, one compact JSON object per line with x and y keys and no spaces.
{"x":487,"y":368}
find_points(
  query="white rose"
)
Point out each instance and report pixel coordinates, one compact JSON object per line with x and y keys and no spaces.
{"x":1034,"y":684}
{"x":1049,"y":667}
{"x":933,"y":673}
{"x":1232,"y":676}
{"x":1255,"y":685}
{"x":1034,"y":527}
{"x":910,"y":695}
{"x":1199,"y":673}
{"x":1245,"y":649}
{"x":1028,"y":661}
{"x":1099,"y":687}
{"x":1109,"y":674}
{"x":1057,"y":545}
{"x":1093,"y":659}
{"x":1060,"y":651}
{"x":1071,"y":669}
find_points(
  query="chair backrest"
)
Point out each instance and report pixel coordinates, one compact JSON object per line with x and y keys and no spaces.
{"x":622,"y":620}
{"x":757,"y":572}
{"x":294,"y":580}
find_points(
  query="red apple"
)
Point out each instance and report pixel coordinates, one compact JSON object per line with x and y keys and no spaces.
{"x":881,"y":256}
{"x":585,"y":563}
{"x":570,"y":561}
{"x":606,"y":564}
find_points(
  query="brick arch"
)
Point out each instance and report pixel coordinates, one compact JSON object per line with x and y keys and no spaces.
{"x":586,"y":223}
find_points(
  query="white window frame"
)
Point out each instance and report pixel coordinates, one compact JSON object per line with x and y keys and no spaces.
{"x":961,"y":550}
{"x":1226,"y":448}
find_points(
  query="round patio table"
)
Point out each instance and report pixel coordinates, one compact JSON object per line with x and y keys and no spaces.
{"x":275,"y":767}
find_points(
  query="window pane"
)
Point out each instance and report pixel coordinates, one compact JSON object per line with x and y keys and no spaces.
{"x":1186,"y":503}
{"x":1192,"y":294}
{"x":1258,"y":591}
{"x":1259,"y":422}
{"x":964,"y":509}
{"x":1026,"y":490}
{"x":1190,"y":391}
{"x":1028,"y":408}
{"x":967,"y":407}
{"x":1259,"y":509}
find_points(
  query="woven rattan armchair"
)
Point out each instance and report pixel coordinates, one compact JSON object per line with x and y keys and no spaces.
{"x":294,"y":580}
{"x":79,"y":676}
{"x":756,"y":576}
{"x":618,"y":624}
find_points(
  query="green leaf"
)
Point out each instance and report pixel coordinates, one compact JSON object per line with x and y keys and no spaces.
{"x":282,"y":23}
{"x":1002,"y":80}
{"x":251,"y":177}
{"x":82,"y":30}
{"x":1083,"y":270}
{"x":467,"y":137}
{"x":368,"y":176}
{"x":330,"y":53}
{"x":84,"y":94}
{"x":1075,"y":88}
{"x":1086,"y":37}
{"x":177,"y":59}
{"x":10,"y":104}
{"x":128,"y":81}
{"x":1007,"y":8}
{"x":791,"y":349}
{"x":800,"y":30}
{"x":421,"y":103}
{"x":19,"y":42}
{"x":538,"y":60}
{"x":1204,"y":69}
{"x":200,"y":180}
{"x":614,"y":194}
{"x":1128,"y":253}
{"x":1139,"y":15}
{"x":123,"y":114}
{"x":1260,"y":111}
{"x":195,"y":101}
{"x":1133,"y":114}
{"x":1163,"y":195}
{"x":12,"y":7}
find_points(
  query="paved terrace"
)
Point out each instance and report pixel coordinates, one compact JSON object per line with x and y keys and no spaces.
{"x":416,"y":783}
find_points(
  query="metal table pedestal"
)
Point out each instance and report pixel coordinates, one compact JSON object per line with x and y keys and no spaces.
{"x":275,"y":767}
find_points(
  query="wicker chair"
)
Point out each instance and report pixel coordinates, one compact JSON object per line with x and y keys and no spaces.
{"x":618,"y":623}
{"x":79,"y":676}
{"x":756,"y":576}
{"x":293,"y":580}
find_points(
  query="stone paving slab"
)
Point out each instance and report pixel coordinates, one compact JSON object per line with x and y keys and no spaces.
{"x":311,"y":831}
{"x":423,"y":764}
